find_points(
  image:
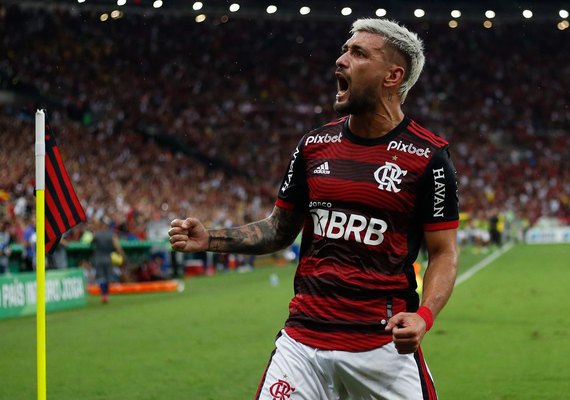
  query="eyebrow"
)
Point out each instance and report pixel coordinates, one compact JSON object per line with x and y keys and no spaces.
{"x":346,"y":47}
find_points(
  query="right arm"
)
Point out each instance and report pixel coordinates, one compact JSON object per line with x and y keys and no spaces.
{"x":265,"y":236}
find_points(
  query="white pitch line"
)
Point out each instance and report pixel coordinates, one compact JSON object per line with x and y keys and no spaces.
{"x":482,"y":264}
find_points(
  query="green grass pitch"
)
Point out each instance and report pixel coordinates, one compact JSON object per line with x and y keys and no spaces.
{"x":504,"y":335}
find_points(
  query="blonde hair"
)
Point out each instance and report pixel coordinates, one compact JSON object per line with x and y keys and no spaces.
{"x":404,"y":41}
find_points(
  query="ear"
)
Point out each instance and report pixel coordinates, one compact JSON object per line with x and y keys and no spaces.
{"x":394,"y":76}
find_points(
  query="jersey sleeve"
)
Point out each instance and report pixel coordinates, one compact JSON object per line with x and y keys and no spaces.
{"x":439,"y":206}
{"x":293,"y":192}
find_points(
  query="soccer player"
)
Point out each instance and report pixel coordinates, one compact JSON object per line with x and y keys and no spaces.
{"x":105,"y":242}
{"x":366,"y":190}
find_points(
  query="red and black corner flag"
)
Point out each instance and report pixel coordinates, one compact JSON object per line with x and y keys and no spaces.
{"x":63,"y":209}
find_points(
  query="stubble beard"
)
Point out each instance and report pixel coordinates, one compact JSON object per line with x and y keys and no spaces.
{"x":359,"y":102}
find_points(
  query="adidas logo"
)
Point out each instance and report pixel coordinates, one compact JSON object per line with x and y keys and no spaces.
{"x":323,"y":169}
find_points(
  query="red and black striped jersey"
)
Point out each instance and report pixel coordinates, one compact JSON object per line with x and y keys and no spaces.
{"x":367,"y":204}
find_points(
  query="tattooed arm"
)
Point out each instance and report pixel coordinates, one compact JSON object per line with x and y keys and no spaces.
{"x":266,"y":236}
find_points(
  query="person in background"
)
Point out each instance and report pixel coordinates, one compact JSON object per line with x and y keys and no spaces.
{"x":58,"y":258}
{"x":105,"y":241}
{"x":366,"y":190}
{"x":29,"y":243}
{"x":5,"y":252}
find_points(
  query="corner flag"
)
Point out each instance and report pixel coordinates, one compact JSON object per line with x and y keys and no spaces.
{"x":57,"y":210}
{"x":63,"y":209}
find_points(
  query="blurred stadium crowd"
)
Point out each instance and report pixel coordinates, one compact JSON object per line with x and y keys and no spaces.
{"x":160,"y":117}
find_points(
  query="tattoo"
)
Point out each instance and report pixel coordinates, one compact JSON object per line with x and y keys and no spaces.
{"x":266,"y":236}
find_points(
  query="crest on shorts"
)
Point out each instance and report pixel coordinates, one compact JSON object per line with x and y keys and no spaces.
{"x":281,"y":390}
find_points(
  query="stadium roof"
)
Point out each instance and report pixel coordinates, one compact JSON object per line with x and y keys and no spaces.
{"x":433,"y":10}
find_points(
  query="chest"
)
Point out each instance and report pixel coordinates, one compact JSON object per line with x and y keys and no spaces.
{"x":372,"y":175}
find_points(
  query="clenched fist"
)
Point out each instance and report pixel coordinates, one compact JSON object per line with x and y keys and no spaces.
{"x":188,"y":235}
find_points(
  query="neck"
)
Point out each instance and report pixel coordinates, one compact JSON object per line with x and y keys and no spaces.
{"x":377,"y":123}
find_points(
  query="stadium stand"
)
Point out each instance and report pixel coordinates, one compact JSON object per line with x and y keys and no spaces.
{"x":160,"y":117}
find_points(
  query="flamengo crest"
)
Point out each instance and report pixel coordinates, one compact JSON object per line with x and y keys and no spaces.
{"x":281,"y":390}
{"x":388,"y":176}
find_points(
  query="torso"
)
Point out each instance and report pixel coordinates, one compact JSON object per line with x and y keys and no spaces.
{"x":362,"y":233}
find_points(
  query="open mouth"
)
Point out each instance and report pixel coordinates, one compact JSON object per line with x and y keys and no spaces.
{"x":342,"y":85}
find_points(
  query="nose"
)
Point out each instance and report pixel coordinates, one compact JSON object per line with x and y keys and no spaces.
{"x":341,"y":61}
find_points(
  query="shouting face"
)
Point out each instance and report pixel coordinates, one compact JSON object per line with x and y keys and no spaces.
{"x":364,"y":70}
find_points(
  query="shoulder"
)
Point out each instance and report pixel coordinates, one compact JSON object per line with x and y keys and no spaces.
{"x":425,"y":136}
{"x":328,"y":133}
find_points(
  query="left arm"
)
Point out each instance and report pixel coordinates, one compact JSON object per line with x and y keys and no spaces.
{"x":408,"y":329}
{"x":117,"y":246}
{"x":441,"y":272}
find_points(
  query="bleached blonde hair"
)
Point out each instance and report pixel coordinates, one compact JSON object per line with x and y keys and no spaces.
{"x":404,"y":41}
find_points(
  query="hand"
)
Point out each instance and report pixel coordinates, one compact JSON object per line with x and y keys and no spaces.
{"x":188,"y":235}
{"x":408,"y":330}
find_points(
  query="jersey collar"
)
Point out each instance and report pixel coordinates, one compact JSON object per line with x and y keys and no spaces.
{"x":347,"y":133}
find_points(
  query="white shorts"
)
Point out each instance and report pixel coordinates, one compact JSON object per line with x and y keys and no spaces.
{"x":299,"y":372}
